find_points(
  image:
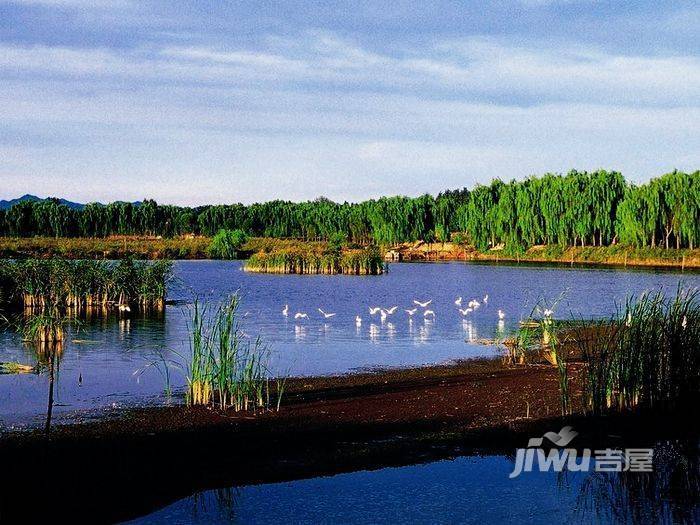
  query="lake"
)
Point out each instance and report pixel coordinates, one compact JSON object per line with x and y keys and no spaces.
{"x":466,"y":489}
{"x":107,"y":363}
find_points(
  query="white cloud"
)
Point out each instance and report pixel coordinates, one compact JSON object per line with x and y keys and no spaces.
{"x":81,"y":4}
{"x":346,"y":120}
{"x":478,"y":67}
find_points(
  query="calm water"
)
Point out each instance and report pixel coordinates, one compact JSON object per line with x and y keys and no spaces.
{"x":107,"y":354}
{"x":468,"y":489}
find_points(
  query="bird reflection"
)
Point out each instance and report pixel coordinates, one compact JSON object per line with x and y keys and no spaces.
{"x":124,"y":326}
{"x":373,"y":332}
{"x":299,"y":332}
{"x":469,"y":330}
{"x":501,"y":327}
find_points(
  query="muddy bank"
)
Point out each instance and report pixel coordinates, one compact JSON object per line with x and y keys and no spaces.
{"x":144,"y":459}
{"x":614,"y":256}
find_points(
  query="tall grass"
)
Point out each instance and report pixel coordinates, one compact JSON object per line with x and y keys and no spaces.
{"x":647,"y":356}
{"x":540,"y":335}
{"x":317,"y":258}
{"x":45,"y":328}
{"x":59,"y":283}
{"x":226,"y":369}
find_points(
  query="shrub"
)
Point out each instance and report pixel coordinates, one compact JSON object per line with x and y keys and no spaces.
{"x":226,"y":244}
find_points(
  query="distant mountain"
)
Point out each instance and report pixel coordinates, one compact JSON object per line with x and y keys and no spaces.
{"x":5,"y":204}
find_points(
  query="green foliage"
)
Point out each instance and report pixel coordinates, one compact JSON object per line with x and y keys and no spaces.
{"x":646,"y":356}
{"x":59,"y":283}
{"x":225,"y":369}
{"x":580,"y":209}
{"x":315,"y":258}
{"x":227,"y":243}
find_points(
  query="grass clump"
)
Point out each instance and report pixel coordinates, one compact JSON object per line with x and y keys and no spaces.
{"x":317,"y":258}
{"x":227,"y":370}
{"x":52,"y":284}
{"x":646,"y":357}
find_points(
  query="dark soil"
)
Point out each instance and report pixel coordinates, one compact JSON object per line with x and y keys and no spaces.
{"x":119,"y":468}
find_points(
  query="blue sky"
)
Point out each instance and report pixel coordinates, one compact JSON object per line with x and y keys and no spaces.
{"x":209,"y":102}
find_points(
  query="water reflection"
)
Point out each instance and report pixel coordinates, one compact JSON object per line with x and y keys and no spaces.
{"x":670,"y":494}
{"x":106,"y":348}
{"x":472,"y":489}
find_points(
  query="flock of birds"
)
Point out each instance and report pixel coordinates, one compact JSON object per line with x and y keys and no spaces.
{"x":384,"y":313}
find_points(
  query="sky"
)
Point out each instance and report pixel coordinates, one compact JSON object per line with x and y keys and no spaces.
{"x":199,"y":102}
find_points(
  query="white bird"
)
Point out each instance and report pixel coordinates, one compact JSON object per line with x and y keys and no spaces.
{"x":501,"y":314}
{"x":124,"y":308}
{"x":391,"y":310}
{"x":548,"y":312}
{"x":358,"y":320}
{"x":476,"y":304}
{"x":684,"y":324}
{"x":285,"y":311}
{"x":325,"y":315}
{"x":422,"y":305}
{"x":486,"y":298}
{"x":458,"y":301}
{"x":428,"y":312}
{"x":300,"y":315}
{"x":465,"y":311}
{"x":411,"y":311}
{"x":382,"y":315}
{"x":374,"y":310}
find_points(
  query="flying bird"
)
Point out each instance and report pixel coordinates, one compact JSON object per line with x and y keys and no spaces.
{"x":411,"y":311}
{"x":391,"y":310}
{"x":486,"y":298}
{"x":374,"y":310}
{"x":465,"y":311}
{"x":301,"y":315}
{"x":325,"y":315}
{"x":458,"y":301}
{"x":422,"y":305}
{"x":285,"y":310}
{"x":428,"y":312}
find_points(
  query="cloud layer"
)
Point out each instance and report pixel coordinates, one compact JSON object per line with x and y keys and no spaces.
{"x":296,"y":113}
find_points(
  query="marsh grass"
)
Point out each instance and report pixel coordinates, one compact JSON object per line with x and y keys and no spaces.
{"x":59,"y":284}
{"x":226,"y":369}
{"x":46,"y":327}
{"x":316,"y":258}
{"x":539,"y":336}
{"x":647,"y":356}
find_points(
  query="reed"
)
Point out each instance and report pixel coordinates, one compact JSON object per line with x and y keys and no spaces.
{"x":45,"y":328}
{"x":317,"y":258}
{"x":226,"y":369}
{"x":64,"y":284}
{"x":646,"y":356}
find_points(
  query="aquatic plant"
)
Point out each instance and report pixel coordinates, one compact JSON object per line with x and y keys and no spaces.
{"x":62,"y":284}
{"x":540,"y":334}
{"x":46,"y":327}
{"x":644,"y":357}
{"x":226,"y":369}
{"x":317,"y":258}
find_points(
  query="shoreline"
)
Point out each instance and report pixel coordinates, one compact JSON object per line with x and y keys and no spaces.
{"x":196,"y":248}
{"x":147,"y":458}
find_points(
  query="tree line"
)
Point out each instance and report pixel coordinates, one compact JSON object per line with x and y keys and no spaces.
{"x":579,"y":208}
